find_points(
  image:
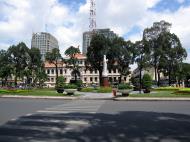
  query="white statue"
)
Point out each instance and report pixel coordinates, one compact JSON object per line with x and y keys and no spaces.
{"x":105,"y":67}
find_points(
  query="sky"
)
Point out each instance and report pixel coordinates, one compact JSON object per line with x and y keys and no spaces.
{"x":68,"y":19}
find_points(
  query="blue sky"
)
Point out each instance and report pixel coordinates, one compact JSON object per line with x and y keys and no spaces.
{"x":68,"y":19}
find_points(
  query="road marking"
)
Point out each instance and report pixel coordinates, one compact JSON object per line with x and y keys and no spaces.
{"x":49,"y":111}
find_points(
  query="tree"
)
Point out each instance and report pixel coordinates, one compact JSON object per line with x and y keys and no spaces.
{"x":147,"y":82}
{"x":121,"y":55}
{"x":151,"y":36}
{"x":141,"y":58}
{"x":54,"y":57}
{"x":72,"y":62}
{"x":41,"y":76}
{"x":19,"y":57}
{"x":173,"y":54}
{"x":34,"y":64}
{"x":6,"y":68}
{"x":99,"y":46}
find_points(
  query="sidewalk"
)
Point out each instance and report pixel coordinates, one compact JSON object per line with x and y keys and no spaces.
{"x":151,"y":99}
{"x":40,"y":97}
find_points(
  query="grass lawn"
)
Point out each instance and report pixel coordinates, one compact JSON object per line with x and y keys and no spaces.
{"x":34,"y":92}
{"x":157,"y":93}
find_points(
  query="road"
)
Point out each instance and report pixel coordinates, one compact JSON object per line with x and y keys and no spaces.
{"x":97,"y":120}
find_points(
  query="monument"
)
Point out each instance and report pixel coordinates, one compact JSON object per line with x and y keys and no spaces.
{"x":105,"y":72}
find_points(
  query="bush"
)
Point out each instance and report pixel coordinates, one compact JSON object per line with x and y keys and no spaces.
{"x":87,"y":90}
{"x":147,"y":81}
{"x":183,"y":91}
{"x":124,"y":86}
{"x":60,"y":82}
{"x":167,"y":89}
{"x":79,"y":83}
{"x":104,"y":90}
{"x":70,"y":86}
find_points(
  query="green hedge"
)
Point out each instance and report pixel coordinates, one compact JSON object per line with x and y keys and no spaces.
{"x":167,"y":89}
{"x":98,"y":90}
{"x":104,"y":90}
{"x":185,"y":91}
{"x":12,"y":91}
{"x":87,"y":90}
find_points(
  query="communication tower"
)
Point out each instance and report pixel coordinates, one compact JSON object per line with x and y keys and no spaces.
{"x":92,"y":18}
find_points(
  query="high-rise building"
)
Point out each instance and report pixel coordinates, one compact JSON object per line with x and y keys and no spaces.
{"x":45,"y":42}
{"x":88,"y":35}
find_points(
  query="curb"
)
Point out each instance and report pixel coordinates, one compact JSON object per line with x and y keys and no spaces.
{"x":149,"y":99}
{"x":39,"y":97}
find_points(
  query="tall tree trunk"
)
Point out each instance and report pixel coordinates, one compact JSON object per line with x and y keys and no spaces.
{"x":100,"y":78}
{"x":158,"y":83}
{"x":120,"y":78}
{"x":140,"y":80}
{"x":15,"y":80}
{"x":169,"y":76}
{"x":56,"y":71}
{"x":155,"y":73}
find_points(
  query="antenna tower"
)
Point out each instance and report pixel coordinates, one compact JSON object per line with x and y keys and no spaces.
{"x":92,"y":18}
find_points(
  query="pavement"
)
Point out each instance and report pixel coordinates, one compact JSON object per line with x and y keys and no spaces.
{"x":100,"y":96}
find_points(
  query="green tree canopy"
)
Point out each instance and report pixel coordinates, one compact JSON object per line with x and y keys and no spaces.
{"x":54,"y":57}
{"x":72,"y":61}
{"x":99,"y":46}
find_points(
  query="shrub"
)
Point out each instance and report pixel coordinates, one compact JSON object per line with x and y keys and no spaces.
{"x":167,"y":89}
{"x":183,"y":91}
{"x":70,"y":86}
{"x":60,"y":82}
{"x":79,"y":83}
{"x":147,"y":81}
{"x":104,"y":90}
{"x":87,"y":90}
{"x":124,"y":86}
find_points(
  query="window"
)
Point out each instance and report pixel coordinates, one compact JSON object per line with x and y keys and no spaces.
{"x":65,"y":71}
{"x":96,"y":71}
{"x":96,"y":79}
{"x":114,"y":71}
{"x":52,"y":79}
{"x":48,"y":79}
{"x":109,"y":71}
{"x":48,"y":71}
{"x":61,"y":71}
{"x":110,"y":79}
{"x":115,"y":79}
{"x":91,"y":79}
{"x":85,"y":79}
{"x":91,"y":72}
{"x":52,"y":71}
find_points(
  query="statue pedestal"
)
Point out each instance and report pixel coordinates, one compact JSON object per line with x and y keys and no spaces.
{"x":105,"y":81}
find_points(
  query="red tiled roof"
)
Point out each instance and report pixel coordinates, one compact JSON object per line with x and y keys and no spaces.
{"x":50,"y":65}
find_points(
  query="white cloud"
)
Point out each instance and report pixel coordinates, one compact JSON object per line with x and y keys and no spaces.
{"x":20,"y":18}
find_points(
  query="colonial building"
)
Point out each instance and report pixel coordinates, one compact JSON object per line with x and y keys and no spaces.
{"x":88,"y":77}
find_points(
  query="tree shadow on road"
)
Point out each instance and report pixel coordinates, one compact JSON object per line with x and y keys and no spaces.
{"x":129,"y":126}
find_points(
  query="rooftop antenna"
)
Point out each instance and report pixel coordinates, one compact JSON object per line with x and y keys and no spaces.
{"x":92,"y":18}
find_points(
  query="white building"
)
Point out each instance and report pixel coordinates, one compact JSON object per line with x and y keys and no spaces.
{"x":45,"y":42}
{"x":88,"y":77}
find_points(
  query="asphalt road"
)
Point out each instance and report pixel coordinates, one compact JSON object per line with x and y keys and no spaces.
{"x":98,"y":121}
{"x":14,"y":108}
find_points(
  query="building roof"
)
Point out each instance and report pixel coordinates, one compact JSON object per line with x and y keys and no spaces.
{"x":50,"y":65}
{"x":78,"y":56}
